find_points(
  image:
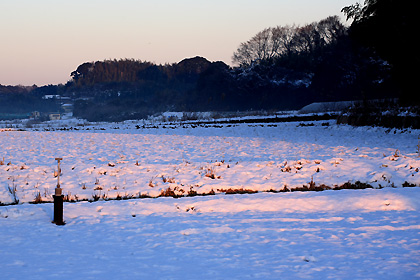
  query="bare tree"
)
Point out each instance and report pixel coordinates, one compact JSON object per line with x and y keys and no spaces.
{"x":260,"y":47}
{"x":305,"y":38}
{"x":283,"y":40}
{"x":282,"y":37}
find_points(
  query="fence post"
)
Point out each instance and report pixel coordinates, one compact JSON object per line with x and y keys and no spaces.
{"x":58,"y":198}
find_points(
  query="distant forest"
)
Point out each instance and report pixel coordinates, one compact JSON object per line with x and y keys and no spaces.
{"x":283,"y":67}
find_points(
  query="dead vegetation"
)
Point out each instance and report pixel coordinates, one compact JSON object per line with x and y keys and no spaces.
{"x":169,"y":192}
{"x":168,"y":179}
{"x":178,"y":192}
{"x":210,"y":173}
{"x":237,"y":191}
{"x":12,"y":190}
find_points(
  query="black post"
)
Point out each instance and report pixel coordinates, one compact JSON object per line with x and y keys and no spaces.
{"x":58,"y":198}
{"x":58,"y":210}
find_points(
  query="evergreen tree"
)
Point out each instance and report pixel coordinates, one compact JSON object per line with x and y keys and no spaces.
{"x":390,"y":28}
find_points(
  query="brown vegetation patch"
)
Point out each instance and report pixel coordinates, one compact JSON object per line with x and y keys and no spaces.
{"x":353,"y":186}
{"x":171,"y":193}
{"x":236,"y":191}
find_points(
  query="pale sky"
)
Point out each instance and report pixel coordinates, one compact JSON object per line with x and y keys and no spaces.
{"x":43,"y":41}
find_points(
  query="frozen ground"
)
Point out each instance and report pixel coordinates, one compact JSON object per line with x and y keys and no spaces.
{"x":346,"y":234}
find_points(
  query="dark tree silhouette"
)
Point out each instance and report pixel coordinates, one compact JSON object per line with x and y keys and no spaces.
{"x":389,"y":27}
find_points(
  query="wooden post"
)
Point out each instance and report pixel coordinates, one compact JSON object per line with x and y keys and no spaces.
{"x":58,"y":198}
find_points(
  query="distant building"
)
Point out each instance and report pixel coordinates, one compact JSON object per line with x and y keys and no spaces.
{"x":54,"y":116}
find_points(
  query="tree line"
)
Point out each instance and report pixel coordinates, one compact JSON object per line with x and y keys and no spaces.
{"x":20,"y":101}
{"x":282,"y":41}
{"x":282,"y":67}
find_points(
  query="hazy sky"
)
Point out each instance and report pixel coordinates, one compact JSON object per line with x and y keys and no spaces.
{"x":43,"y":41}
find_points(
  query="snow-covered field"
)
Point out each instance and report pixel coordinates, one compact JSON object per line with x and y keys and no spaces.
{"x":346,"y":234}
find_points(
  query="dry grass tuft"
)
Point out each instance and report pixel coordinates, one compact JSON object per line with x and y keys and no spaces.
{"x":70,"y":198}
{"x":210,"y":173}
{"x":38,"y":198}
{"x":168,"y":180}
{"x":12,"y":190}
{"x":192,"y":192}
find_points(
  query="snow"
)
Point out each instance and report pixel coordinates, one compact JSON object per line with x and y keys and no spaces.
{"x":345,"y":234}
{"x":323,"y":107}
{"x":348,"y":234}
{"x":112,"y":163}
